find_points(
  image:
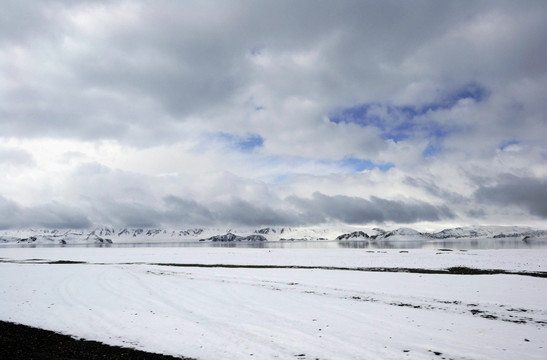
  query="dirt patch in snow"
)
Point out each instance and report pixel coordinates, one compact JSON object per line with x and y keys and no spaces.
{"x":24,"y":342}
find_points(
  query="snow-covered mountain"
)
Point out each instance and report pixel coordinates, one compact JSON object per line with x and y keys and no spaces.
{"x":232,"y":237}
{"x":494,"y":232}
{"x":356,"y":235}
{"x":401,"y":234}
{"x":46,"y":236}
{"x":472,"y":232}
{"x":109,"y":234}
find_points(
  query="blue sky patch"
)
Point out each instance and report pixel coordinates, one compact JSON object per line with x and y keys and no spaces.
{"x":245,"y":143}
{"x":281,"y":179}
{"x":506,"y":144}
{"x":256,"y":50}
{"x":345,"y":165}
{"x":431,"y":150}
{"x":357,"y":165}
{"x":399,"y":123}
{"x":473,"y":91}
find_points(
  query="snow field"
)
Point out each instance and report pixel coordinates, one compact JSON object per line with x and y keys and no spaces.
{"x":512,"y":260}
{"x":242,"y":313}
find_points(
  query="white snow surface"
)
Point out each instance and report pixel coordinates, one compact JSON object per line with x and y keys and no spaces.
{"x":123,"y":296}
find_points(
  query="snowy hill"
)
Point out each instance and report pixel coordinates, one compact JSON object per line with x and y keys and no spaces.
{"x":233,"y":237}
{"x":402,"y":234}
{"x":488,"y":232}
{"x":472,"y":232}
{"x":45,"y":237}
{"x":108,"y":234}
{"x":356,"y":235}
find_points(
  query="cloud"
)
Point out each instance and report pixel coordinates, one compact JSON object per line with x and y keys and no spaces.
{"x":187,"y":212}
{"x":354,"y":210}
{"x":527,"y":193}
{"x":175,"y":211}
{"x":243,"y":212}
{"x":243,"y":110}
{"x":234,"y":212}
{"x":16,"y":157}
{"x":130,"y":214}
{"x":51,"y":215}
{"x":134,"y":65}
{"x":433,"y":189}
{"x":320,"y":209}
{"x":54,"y":215}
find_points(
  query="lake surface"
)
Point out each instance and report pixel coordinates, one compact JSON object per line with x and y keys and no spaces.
{"x":479,"y":243}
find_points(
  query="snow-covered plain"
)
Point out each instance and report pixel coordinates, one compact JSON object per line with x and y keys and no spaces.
{"x":160,"y":300}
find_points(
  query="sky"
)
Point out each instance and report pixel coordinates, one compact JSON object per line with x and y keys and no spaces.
{"x":427,"y":114}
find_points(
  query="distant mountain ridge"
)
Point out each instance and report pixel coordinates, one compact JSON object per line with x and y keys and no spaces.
{"x":494,"y":232}
{"x":108,"y":234}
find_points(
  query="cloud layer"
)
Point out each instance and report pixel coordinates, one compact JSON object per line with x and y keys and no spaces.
{"x":272,"y":112}
{"x":529,"y":194}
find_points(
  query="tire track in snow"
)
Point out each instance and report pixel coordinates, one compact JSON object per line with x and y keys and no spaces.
{"x":489,"y":311}
{"x":496,"y":312}
{"x":162,"y":289}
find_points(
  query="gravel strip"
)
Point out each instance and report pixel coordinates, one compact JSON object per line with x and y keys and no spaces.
{"x":25,"y":342}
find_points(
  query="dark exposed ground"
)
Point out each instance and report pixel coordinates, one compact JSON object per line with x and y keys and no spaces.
{"x":24,"y":342}
{"x":455,"y":270}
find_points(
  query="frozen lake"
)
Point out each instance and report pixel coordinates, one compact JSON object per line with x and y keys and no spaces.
{"x":455,"y":244}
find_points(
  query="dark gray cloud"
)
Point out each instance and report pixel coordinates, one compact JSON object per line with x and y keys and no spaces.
{"x":9,"y":213}
{"x":187,"y":212}
{"x":52,"y":215}
{"x":527,"y":193}
{"x":244,"y":212}
{"x":130,"y":214}
{"x":476,"y":213}
{"x":355,"y":210}
{"x":319,"y":209}
{"x":55,"y":216}
{"x":182,"y":212}
{"x":235,"y":212}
